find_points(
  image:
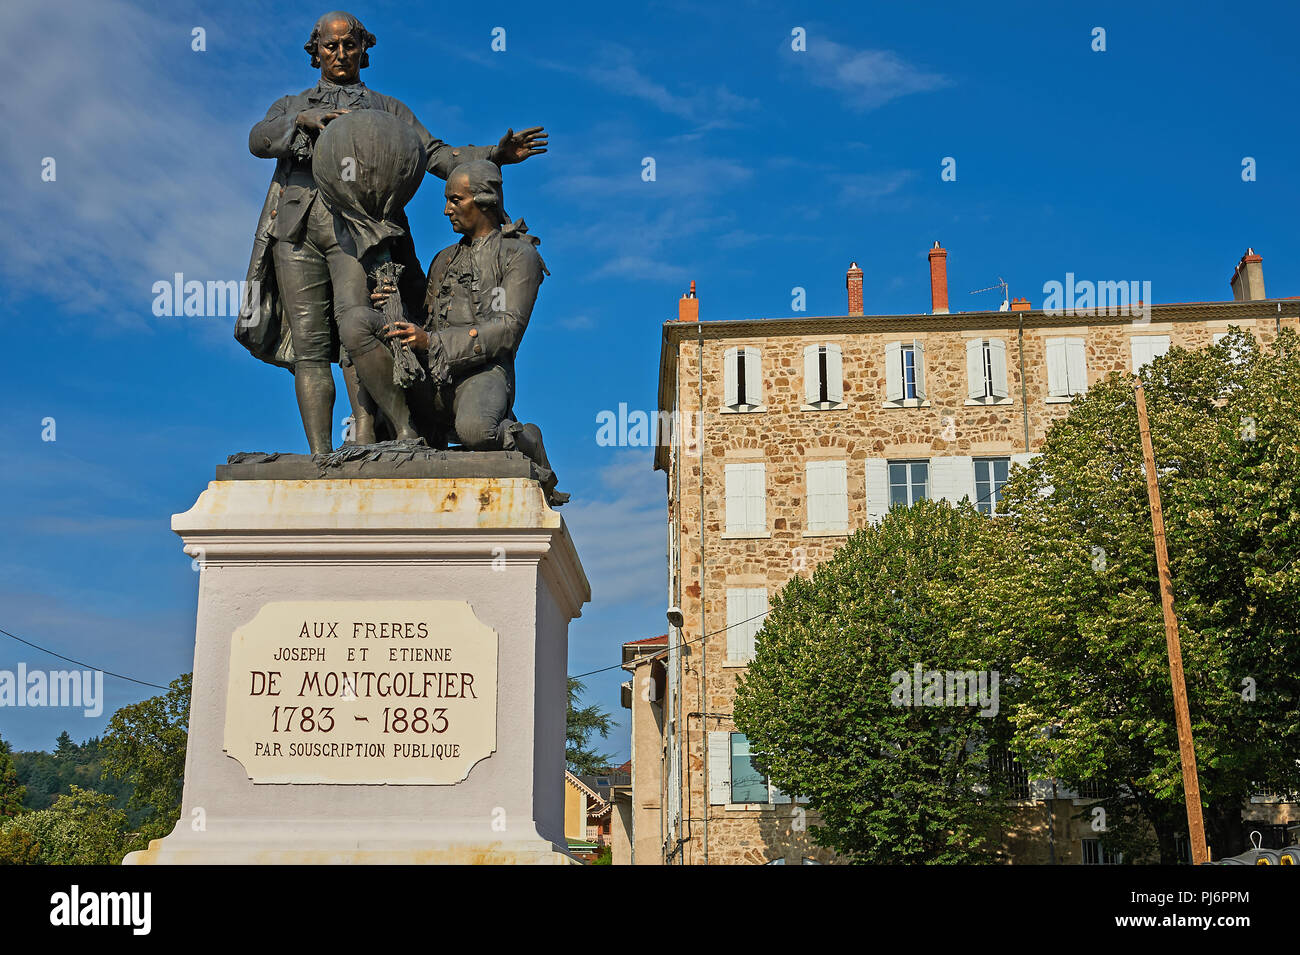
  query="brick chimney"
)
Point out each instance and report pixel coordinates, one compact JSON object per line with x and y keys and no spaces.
{"x":853,"y":280}
{"x":1248,"y":278}
{"x":938,"y":279}
{"x":688,"y":306}
{"x":1020,"y":305}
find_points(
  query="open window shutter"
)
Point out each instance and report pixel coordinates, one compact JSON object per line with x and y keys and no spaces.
{"x":737,"y":491}
{"x":1057,"y":384}
{"x":918,"y":352}
{"x":737,"y":632}
{"x":834,"y":374}
{"x":756,"y":498}
{"x":952,"y":477}
{"x":837,"y":496}
{"x":1078,"y":366}
{"x":975,"y":368}
{"x":719,"y":768}
{"x":729,"y":375}
{"x":816,"y":472}
{"x":894,"y":371}
{"x":998,"y":358}
{"x":753,"y":376}
{"x":775,"y":796}
{"x":877,"y":488}
{"x":756,"y":608}
{"x":812,"y":384}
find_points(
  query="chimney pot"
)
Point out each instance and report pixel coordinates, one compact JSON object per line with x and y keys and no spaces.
{"x":1020,"y":305}
{"x":938,"y":279}
{"x":853,"y":281}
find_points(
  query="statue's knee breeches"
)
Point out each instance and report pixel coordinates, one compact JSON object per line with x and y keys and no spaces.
{"x":360,"y":329}
{"x":482,"y":402}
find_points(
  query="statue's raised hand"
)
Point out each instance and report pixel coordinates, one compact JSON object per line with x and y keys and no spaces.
{"x":516,"y":147}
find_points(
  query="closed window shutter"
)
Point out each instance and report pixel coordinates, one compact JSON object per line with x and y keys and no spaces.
{"x":1057,"y":372}
{"x":737,"y":486}
{"x":998,"y":359}
{"x":812,"y":374}
{"x":975,"y":368}
{"x":1141,"y":351}
{"x":719,"y":768}
{"x":894,"y":371}
{"x":753,"y":376}
{"x":756,"y":499}
{"x":877,"y":488}
{"x":756,"y":608}
{"x":1159,"y":346}
{"x":737,"y":632}
{"x":1078,"y":366}
{"x":729,"y":361}
{"x":834,"y":374}
{"x":816,"y":495}
{"x":918,"y":350}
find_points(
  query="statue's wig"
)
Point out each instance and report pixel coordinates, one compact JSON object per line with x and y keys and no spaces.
{"x":485,"y":185}
{"x":357,"y":31}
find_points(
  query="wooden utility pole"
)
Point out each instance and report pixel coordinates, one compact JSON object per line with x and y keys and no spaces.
{"x":1191,"y":784}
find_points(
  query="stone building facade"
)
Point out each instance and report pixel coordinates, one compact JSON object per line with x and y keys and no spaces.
{"x":779,"y":437}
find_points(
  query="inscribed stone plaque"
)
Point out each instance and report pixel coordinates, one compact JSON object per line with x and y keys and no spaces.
{"x":362,"y":691}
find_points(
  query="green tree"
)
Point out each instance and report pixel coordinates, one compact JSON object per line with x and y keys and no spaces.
{"x":581,"y":723}
{"x":64,"y":747}
{"x":12,"y":792}
{"x":821,"y":702}
{"x":145,"y":745}
{"x":82,"y":828}
{"x":1070,"y":584}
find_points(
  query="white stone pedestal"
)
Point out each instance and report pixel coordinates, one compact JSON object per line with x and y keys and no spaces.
{"x":491,"y":543}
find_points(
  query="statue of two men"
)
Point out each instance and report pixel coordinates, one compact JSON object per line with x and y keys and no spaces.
{"x":314,"y":290}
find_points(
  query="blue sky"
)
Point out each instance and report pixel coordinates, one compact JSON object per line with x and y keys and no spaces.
{"x":774,"y":169}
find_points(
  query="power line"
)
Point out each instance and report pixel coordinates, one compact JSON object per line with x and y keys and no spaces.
{"x":88,"y":666}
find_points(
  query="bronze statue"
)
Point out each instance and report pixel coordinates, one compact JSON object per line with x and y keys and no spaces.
{"x":305,"y":268}
{"x":479,"y":297}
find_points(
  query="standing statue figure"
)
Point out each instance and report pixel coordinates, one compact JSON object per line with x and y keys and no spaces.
{"x":479,"y":297}
{"x":304,"y":274}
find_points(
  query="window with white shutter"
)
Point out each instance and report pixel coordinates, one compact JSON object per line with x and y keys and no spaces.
{"x":1067,"y":368}
{"x":746,"y":611}
{"x":990,"y":475}
{"x":909,"y":482}
{"x":828,"y":496}
{"x":1147,"y":348}
{"x":719,"y":757}
{"x":746,"y":501}
{"x":823,"y":376}
{"x":905,"y":371}
{"x":742,"y":375}
{"x":877,"y":489}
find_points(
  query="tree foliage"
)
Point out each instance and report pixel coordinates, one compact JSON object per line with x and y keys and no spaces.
{"x":580,"y":725}
{"x":145,"y":746}
{"x":81,"y":828}
{"x":12,"y":792}
{"x":891,"y":783}
{"x":1070,"y":583}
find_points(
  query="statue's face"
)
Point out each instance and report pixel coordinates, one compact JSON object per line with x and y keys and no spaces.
{"x":340,"y":53}
{"x":461,"y":211}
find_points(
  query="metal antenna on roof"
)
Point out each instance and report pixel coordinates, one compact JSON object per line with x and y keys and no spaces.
{"x":1006,"y":296}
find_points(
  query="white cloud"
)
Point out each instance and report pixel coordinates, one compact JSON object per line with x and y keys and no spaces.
{"x":868,"y":78}
{"x":144,"y":187}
